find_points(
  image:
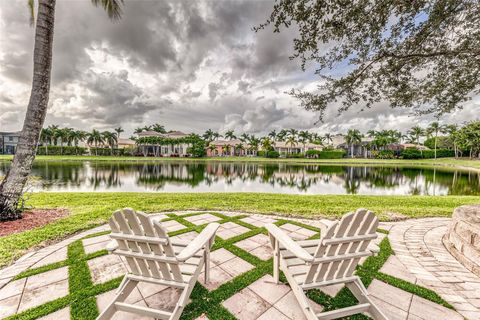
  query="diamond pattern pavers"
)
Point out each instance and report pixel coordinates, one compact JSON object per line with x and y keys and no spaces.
{"x":106,"y":268}
{"x":224,"y":267}
{"x":418,"y":246}
{"x":297,"y":232}
{"x":230,"y":229}
{"x":33,"y":291}
{"x":264,"y":299}
{"x":258,"y":245}
{"x":258,"y":220}
{"x":203,"y":218}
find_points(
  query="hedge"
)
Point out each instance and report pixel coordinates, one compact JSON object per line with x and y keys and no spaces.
{"x":57,"y":150}
{"x":326,"y":154}
{"x":413,"y":153}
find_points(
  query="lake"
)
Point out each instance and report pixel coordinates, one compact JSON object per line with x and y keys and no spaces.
{"x":280,"y":177}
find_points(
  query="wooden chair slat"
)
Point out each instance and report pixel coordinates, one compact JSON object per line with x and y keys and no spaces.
{"x":335,"y":258}
{"x":152,"y":258}
{"x":132,"y":220}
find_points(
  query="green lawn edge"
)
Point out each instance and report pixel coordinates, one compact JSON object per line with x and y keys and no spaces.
{"x":92,"y":209}
{"x":462,"y":163}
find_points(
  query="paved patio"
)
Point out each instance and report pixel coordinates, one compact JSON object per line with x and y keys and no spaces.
{"x":420,"y":260}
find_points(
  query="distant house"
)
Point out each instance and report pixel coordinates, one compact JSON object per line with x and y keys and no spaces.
{"x":403,"y":146}
{"x":8,"y":142}
{"x":229,"y":148}
{"x":360,"y":150}
{"x":175,"y":149}
{"x":285,"y":148}
{"x":125,"y":143}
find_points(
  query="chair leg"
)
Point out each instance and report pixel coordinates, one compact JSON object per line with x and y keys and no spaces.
{"x":360,"y":292}
{"x":207,"y":264}
{"x":276,"y":262}
{"x":127,"y":288}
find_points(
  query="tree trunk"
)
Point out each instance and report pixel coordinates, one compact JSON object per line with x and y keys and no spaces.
{"x":435,"y":146}
{"x":12,"y":186}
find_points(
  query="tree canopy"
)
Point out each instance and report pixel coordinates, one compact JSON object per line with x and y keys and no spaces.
{"x":421,"y":54}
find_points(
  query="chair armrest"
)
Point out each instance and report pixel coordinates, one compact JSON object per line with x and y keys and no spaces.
{"x":111,"y":246}
{"x":199,"y":242}
{"x":288,"y":243}
{"x":374,"y":249}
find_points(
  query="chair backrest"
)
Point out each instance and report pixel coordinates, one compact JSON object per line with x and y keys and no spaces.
{"x":342,"y":246}
{"x":145,"y":245}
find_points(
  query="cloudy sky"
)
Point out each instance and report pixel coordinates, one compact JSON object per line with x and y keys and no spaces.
{"x":190,"y":65}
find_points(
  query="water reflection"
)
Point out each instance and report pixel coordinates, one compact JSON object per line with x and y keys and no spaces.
{"x":170,"y":176}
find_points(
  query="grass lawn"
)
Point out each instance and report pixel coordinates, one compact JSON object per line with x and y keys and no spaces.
{"x":444,"y":162}
{"x":92,"y":209}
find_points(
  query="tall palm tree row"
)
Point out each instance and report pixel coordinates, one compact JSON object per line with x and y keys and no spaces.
{"x":11,"y":187}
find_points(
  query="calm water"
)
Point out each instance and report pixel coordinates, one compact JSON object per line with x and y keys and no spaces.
{"x":173,"y":176}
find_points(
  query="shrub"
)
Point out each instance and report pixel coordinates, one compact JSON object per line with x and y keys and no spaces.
{"x":197,"y":150}
{"x":326,"y":154}
{"x":106,"y":151}
{"x":261,"y":153}
{"x":384,"y":154}
{"x":331,"y":154}
{"x":411,"y":153}
{"x":295,"y":155}
{"x":57,"y":150}
{"x":273,"y":154}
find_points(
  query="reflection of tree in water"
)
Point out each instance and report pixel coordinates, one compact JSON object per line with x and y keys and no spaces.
{"x":105,"y":175}
{"x":159,"y":174}
{"x":301,"y":177}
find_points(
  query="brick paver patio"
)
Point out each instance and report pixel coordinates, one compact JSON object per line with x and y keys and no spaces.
{"x":40,"y":285}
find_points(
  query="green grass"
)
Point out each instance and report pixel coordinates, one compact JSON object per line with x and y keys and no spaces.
{"x":92,"y":209}
{"x":82,"y":290}
{"x":443,"y":162}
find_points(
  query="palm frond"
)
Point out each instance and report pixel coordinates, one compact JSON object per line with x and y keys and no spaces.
{"x":31,"y":8}
{"x":112,"y":7}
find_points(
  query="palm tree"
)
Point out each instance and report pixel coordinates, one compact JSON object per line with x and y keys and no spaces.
{"x":138,"y":130}
{"x":292,"y":132}
{"x":291,"y":140}
{"x":415,"y":134}
{"x":328,"y":138}
{"x":267,"y":144}
{"x":253,"y":142}
{"x":216,"y":135}
{"x":452,"y":130}
{"x":435,"y":128}
{"x":158,"y":128}
{"x":244,"y":137}
{"x":212,"y":148}
{"x":46,"y":137}
{"x":273,"y":134}
{"x":240,"y":148}
{"x":118,"y":131}
{"x":63,"y":134}
{"x":111,"y":139}
{"x":304,"y":137}
{"x":281,"y":135}
{"x":353,"y":136}
{"x":230,"y":135}
{"x":95,"y":138}
{"x":12,"y":185}
{"x":77,"y":136}
{"x":208,"y":135}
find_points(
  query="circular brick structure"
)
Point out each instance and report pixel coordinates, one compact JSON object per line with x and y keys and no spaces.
{"x":463,"y":237}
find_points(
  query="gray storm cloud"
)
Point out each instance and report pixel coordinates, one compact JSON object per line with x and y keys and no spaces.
{"x":189,"y":65}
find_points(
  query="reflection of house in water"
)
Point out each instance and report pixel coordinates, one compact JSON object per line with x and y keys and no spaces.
{"x":158,"y":174}
{"x":177,"y":149}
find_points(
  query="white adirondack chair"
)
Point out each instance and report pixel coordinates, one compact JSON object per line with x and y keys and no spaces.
{"x":331,"y":260}
{"x":153,"y":258}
